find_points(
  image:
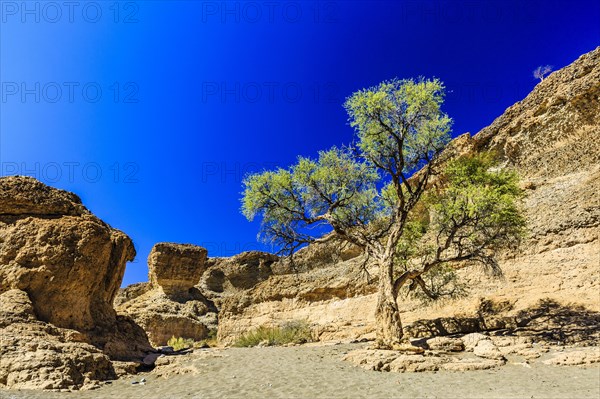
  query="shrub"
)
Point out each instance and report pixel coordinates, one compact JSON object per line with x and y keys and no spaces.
{"x":294,"y":331}
{"x":210,"y":341}
{"x":180,"y":343}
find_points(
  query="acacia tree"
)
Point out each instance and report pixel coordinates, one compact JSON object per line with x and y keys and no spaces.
{"x":374,"y":196}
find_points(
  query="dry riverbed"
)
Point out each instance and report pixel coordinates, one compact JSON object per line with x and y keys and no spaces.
{"x":318,"y":372}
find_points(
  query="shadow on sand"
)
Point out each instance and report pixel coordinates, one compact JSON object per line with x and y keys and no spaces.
{"x":547,"y":321}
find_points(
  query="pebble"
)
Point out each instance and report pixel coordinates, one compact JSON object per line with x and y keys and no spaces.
{"x":143,"y":380}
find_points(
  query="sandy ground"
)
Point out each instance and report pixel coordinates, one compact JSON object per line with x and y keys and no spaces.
{"x":318,"y":372}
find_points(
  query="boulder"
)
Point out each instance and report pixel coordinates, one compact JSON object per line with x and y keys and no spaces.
{"x":445,"y":344}
{"x":394,"y":361}
{"x":485,"y":348}
{"x":470,"y":364}
{"x":60,"y":269}
{"x":408,"y":363}
{"x":176,"y":268}
{"x":584,"y":356}
{"x":371,"y":359}
{"x":471,"y":340}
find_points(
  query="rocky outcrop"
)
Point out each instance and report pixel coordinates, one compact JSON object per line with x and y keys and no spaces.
{"x":176,"y":268}
{"x":235,"y":283}
{"x":550,"y":139}
{"x":396,"y":361}
{"x":38,"y":355}
{"x":241,"y":271}
{"x":170,"y":304}
{"x":60,"y":269}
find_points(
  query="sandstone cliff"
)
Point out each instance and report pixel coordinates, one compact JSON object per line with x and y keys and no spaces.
{"x":60,"y":269}
{"x":552,"y":139}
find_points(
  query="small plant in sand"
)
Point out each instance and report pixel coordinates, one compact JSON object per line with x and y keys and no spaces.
{"x":179,"y":343}
{"x":294,"y":331}
{"x":209,"y":342}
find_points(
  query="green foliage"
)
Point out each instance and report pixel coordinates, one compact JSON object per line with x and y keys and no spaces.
{"x":477,"y":207}
{"x":209,"y":341}
{"x":442,"y":282}
{"x":399,"y":123}
{"x":471,"y":212}
{"x":400,"y":127}
{"x":295,"y":331}
{"x":179,"y":343}
{"x":335,"y":188}
{"x":371,"y":196}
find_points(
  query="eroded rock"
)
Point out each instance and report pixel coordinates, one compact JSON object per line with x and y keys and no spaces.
{"x":60,"y":269}
{"x":471,"y":340}
{"x":485,"y":348}
{"x":176,"y":268}
{"x":170,"y":305}
{"x":162,"y":317}
{"x":394,"y":361}
{"x":446,"y":344}
{"x":576,"y":357}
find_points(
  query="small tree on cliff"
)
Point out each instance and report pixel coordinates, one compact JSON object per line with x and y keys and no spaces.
{"x":373,"y":196}
{"x":541,"y":72}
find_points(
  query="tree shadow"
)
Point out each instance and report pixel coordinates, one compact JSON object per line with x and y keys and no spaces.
{"x":548,"y":321}
{"x":558,"y":323}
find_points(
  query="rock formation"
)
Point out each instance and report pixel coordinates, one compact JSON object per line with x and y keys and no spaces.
{"x":550,"y":282}
{"x":551,"y":139}
{"x":176,"y":268}
{"x":60,"y":269}
{"x":170,"y":304}
{"x":320,"y":275}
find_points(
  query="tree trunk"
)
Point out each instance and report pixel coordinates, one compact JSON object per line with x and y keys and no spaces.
{"x":387,"y":317}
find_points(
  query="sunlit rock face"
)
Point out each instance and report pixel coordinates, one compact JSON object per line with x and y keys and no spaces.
{"x":60,"y":269}
{"x":551,"y":138}
{"x":170,"y":304}
{"x":176,"y":267}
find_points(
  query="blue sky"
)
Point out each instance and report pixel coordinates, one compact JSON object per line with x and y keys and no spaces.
{"x":153,"y":111}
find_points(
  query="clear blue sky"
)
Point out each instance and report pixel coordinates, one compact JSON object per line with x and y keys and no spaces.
{"x":152,"y":111}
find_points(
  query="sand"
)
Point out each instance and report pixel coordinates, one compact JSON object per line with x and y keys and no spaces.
{"x":319,"y":372}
